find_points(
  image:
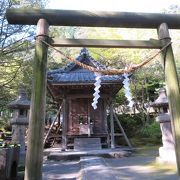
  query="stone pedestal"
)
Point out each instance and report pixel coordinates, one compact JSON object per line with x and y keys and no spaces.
{"x":18,"y":136}
{"x":167,"y":151}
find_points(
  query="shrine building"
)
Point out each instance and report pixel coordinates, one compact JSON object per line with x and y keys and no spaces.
{"x":73,"y":88}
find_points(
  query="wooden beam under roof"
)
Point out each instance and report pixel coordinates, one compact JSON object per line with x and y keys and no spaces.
{"x":102,"y":43}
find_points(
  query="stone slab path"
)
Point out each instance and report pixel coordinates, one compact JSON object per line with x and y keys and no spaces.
{"x":139,"y":166}
{"x":61,"y":170}
{"x":93,"y":167}
{"x":71,"y":155}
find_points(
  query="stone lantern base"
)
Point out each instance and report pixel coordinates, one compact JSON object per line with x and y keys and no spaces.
{"x":167,"y":152}
{"x":18,"y":136}
{"x":166,"y":155}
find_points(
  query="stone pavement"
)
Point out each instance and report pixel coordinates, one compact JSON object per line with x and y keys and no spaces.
{"x":139,"y":166}
{"x":61,"y":170}
{"x":57,"y":154}
{"x":93,"y":167}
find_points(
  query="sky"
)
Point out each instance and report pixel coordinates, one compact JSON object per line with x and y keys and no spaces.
{"x":153,"y":6}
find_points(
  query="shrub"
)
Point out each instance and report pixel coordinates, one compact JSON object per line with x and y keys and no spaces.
{"x":138,"y":130}
{"x":130,"y":123}
{"x":151,"y":131}
{"x":4,"y":122}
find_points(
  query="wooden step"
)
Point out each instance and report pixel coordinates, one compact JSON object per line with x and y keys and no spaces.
{"x":87,"y":144}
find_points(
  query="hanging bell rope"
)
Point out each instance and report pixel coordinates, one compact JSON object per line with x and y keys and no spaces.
{"x":130,"y":69}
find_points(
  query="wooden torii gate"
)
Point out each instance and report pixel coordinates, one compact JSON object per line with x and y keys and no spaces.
{"x":45,"y":17}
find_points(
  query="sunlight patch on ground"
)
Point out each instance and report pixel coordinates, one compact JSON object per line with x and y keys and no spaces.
{"x":167,"y":167}
{"x":149,"y":169}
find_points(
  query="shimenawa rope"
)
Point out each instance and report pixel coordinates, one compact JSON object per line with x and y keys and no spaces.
{"x":130,"y":69}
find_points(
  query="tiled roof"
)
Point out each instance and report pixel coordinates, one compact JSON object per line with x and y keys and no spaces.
{"x":73,"y":73}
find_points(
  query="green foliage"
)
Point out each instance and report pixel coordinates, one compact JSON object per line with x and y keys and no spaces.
{"x":152,"y":131}
{"x":135,"y":129}
{"x":9,"y":145}
{"x":4,"y":122}
{"x":130,"y":123}
{"x":5,"y":119}
{"x":56,"y":60}
{"x":120,"y":98}
{"x":16,"y":55}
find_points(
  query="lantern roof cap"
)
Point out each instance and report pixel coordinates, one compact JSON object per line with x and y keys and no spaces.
{"x":21,"y":101}
{"x":162,"y":100}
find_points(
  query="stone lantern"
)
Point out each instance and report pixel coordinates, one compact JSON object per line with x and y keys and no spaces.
{"x":167,"y":151}
{"x":19,"y":121}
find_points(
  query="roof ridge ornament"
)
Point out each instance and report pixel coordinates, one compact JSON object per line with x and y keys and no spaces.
{"x":84,"y":52}
{"x":22,"y":94}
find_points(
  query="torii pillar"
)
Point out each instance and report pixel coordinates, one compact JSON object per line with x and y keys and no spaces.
{"x":34,"y":155}
{"x":172,"y":87}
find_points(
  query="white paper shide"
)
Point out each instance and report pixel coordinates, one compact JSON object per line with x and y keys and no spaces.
{"x":127,"y":90}
{"x":97,"y":85}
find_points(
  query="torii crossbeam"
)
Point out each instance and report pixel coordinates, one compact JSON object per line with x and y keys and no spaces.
{"x":92,"y":18}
